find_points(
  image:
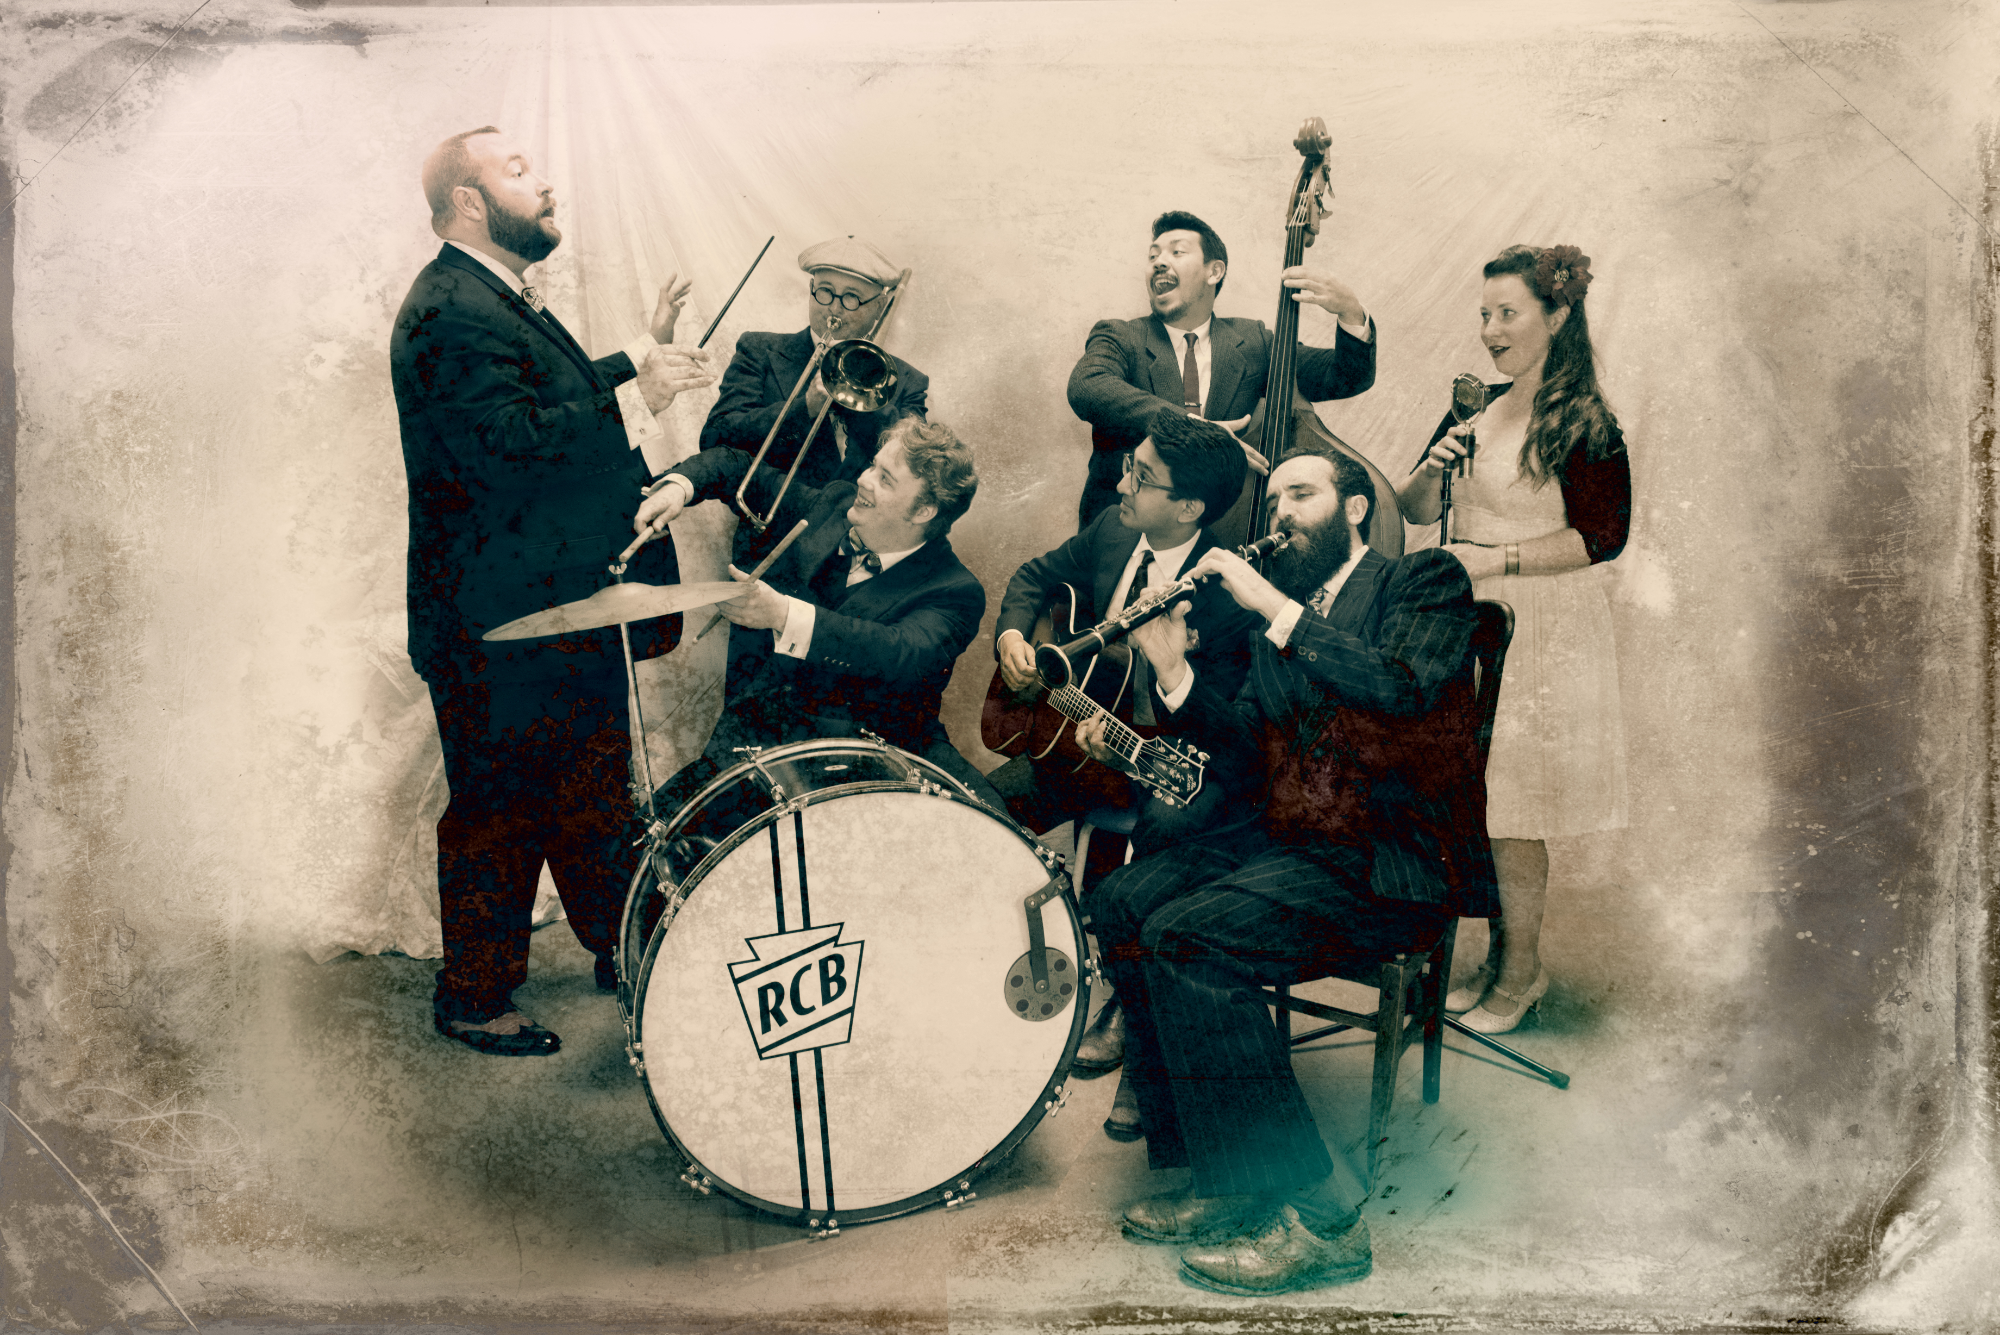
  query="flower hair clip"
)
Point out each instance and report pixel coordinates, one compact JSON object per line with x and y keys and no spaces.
{"x":1562,"y":275}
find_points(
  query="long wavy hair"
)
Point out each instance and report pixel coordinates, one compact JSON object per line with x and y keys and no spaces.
{"x":1569,"y":419}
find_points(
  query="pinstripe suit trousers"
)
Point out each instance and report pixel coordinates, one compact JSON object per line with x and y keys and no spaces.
{"x":1189,"y":936}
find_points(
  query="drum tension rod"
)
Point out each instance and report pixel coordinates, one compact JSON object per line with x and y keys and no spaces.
{"x":1038,"y":964}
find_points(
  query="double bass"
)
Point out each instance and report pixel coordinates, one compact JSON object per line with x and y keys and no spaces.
{"x":1285,"y":418}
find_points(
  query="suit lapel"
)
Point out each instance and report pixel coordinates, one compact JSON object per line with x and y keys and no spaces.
{"x":548,"y":329}
{"x":1166,"y":372}
{"x":1351,"y":605}
{"x":792,"y":354}
{"x":1113,"y":553}
{"x":883,"y":591}
{"x":816,"y":548}
{"x":570,"y":345}
{"x":1225,"y":368}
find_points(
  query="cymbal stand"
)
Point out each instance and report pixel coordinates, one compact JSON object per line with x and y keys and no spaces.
{"x":617,"y":569}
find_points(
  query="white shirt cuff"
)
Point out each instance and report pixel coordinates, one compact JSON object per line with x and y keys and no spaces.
{"x":1179,"y":695}
{"x":643,"y":431}
{"x":1280,"y":630}
{"x":1363,"y":331}
{"x":794,"y":638}
{"x":686,"y":488}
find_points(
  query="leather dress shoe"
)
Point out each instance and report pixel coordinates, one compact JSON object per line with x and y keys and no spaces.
{"x":1102,"y":1047}
{"x":1180,"y":1217}
{"x":1124,"y":1123}
{"x":509,"y":1035}
{"x":1283,"y":1256}
{"x":607,"y":974}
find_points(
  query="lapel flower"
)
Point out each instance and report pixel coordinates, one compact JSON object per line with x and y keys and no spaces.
{"x":1562,"y":275}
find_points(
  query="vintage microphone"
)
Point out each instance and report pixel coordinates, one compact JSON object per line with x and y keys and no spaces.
{"x":1468,"y":401}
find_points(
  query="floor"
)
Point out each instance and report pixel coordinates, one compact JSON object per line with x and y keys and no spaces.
{"x":411,"y":1180}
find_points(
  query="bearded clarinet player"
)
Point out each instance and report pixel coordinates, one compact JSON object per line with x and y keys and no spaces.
{"x":1355,"y":726}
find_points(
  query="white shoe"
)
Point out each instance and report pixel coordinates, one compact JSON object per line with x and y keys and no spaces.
{"x":1462,"y":999}
{"x":1487,"y":1021}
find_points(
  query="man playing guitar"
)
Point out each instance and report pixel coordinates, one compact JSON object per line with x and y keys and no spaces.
{"x":1183,"y":474}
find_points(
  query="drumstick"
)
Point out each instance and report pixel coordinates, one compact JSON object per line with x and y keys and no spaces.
{"x":757,"y":574}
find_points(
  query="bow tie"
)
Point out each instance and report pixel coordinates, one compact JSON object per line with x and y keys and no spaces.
{"x":855,"y":548}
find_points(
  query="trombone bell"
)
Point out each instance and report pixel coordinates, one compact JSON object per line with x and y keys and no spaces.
{"x":857,"y":376}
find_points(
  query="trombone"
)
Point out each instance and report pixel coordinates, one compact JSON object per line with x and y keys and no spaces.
{"x":857,"y":377}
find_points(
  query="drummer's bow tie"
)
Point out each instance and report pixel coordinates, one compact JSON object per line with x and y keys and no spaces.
{"x":855,"y":549}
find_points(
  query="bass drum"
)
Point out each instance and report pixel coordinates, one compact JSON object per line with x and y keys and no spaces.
{"x":838,"y":1013}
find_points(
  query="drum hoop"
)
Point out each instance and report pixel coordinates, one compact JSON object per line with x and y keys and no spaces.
{"x":661,"y":834}
{"x":1053,"y":1091}
{"x":911,"y":761}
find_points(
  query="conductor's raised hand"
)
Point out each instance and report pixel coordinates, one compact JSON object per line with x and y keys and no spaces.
{"x":759,"y":606}
{"x":667,"y":311}
{"x":669,"y":371}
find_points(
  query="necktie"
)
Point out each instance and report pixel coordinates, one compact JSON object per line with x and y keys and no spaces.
{"x":1191,"y":379}
{"x":1142,"y":671}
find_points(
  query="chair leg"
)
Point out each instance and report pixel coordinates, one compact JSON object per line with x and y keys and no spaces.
{"x":1082,"y":852}
{"x":1284,"y":1016}
{"x":1389,"y":1043}
{"x":1432,"y":1010}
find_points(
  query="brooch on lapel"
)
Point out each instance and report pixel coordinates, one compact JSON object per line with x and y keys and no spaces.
{"x":1193,"y":640}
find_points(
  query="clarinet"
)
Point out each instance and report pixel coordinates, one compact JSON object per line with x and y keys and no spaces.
{"x":1053,"y":661}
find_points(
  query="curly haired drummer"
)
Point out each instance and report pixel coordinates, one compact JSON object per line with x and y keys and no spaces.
{"x":857,"y":625}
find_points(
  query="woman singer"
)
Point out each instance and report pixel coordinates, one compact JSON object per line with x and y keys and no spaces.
{"x":1548,"y":496}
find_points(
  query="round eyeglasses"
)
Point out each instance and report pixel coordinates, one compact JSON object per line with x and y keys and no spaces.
{"x":1140,"y":480}
{"x":847,"y":301}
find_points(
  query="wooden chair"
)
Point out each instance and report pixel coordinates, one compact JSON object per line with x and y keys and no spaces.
{"x":1411,"y":987}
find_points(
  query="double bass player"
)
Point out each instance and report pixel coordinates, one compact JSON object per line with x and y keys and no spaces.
{"x":1181,"y":355}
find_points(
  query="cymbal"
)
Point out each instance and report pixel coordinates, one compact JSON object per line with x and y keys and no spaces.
{"x":616,"y":603}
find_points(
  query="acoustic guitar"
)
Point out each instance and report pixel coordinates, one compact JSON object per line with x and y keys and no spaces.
{"x":1039,"y":722}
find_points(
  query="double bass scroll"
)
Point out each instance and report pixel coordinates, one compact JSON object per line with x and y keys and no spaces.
{"x":1286,"y":417}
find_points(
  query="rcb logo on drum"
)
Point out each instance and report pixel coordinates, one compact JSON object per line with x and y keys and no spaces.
{"x":798,"y":988}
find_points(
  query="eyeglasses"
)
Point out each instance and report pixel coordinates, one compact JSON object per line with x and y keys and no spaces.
{"x":1129,"y":464}
{"x":826,"y":296}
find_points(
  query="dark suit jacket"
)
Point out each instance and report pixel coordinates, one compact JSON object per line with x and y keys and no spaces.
{"x":1130,"y":370}
{"x":881,"y":651}
{"x":762,"y":373}
{"x":522,"y":481}
{"x":1364,"y":732}
{"x":1093,"y":560}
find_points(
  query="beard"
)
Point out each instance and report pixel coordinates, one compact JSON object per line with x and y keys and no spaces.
{"x":512,"y":232}
{"x":1310,"y":558}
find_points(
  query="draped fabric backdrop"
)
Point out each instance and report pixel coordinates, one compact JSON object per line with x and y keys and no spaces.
{"x":224,"y":763}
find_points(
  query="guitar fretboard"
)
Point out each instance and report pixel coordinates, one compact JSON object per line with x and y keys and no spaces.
{"x":1073,"y":703}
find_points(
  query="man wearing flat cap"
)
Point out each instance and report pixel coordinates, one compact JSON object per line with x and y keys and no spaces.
{"x":850,"y":281}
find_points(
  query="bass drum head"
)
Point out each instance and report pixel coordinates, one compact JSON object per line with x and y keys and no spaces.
{"x":798,"y":768}
{"x":836,"y":1026}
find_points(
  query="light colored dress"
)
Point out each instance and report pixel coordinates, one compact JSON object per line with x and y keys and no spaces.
{"x":1558,"y":762}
